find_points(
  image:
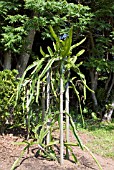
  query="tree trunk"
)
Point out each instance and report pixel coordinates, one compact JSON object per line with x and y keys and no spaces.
{"x":107,"y":116}
{"x":94,"y":79}
{"x":107,"y":83}
{"x":110,"y":88}
{"x":24,"y":58}
{"x":7,"y":60}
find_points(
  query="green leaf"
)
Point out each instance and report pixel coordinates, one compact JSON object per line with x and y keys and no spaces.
{"x":77,"y":94}
{"x":50,"y":51}
{"x":47,"y":67}
{"x":65,"y":50}
{"x":77,"y":44}
{"x":52,"y":143}
{"x":67,"y":45}
{"x":35,"y":131}
{"x":73,"y":155}
{"x":80,"y":53}
{"x":70,"y":144}
{"x":22,"y":79}
{"x":42,"y":52}
{"x":100,"y":167}
{"x":38,"y":66}
{"x":75,"y":132}
{"x":38,"y":90}
{"x":55,"y":37}
{"x":18,"y":159}
{"x":54,"y":45}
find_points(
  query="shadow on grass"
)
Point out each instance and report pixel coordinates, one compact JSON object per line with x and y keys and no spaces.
{"x":93,"y":125}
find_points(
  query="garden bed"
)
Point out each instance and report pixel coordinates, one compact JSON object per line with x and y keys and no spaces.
{"x":9,"y":152}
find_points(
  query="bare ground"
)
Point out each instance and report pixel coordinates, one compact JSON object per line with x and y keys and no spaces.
{"x":10,"y":152}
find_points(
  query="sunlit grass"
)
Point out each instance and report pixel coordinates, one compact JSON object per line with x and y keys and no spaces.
{"x":102,"y":138}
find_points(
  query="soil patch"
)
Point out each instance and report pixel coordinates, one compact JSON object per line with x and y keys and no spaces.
{"x":10,"y":152}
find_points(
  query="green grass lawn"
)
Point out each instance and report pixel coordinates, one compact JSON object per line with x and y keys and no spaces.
{"x":102,"y":138}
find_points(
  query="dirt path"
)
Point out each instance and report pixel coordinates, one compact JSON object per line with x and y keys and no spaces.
{"x":10,"y":152}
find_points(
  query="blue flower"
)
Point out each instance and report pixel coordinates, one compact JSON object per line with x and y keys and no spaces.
{"x":63,"y":36}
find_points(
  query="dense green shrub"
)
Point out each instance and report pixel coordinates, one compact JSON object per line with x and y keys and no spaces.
{"x":8,"y":86}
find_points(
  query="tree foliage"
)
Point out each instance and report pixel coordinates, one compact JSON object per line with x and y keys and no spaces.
{"x":90,"y":19}
{"x":8,"y":86}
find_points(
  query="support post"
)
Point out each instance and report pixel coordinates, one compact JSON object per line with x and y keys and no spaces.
{"x":27,"y":113}
{"x":67,"y":117}
{"x":43,"y":101}
{"x":48,"y":104}
{"x":61,"y":115}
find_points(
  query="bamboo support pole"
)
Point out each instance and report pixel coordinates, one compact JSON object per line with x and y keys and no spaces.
{"x":27,"y":113}
{"x":67,"y":117}
{"x":48,"y":103}
{"x":43,"y":101}
{"x":61,"y":116}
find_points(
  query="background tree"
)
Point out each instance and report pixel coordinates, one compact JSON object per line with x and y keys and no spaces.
{"x":25,"y":18}
{"x":25,"y":24}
